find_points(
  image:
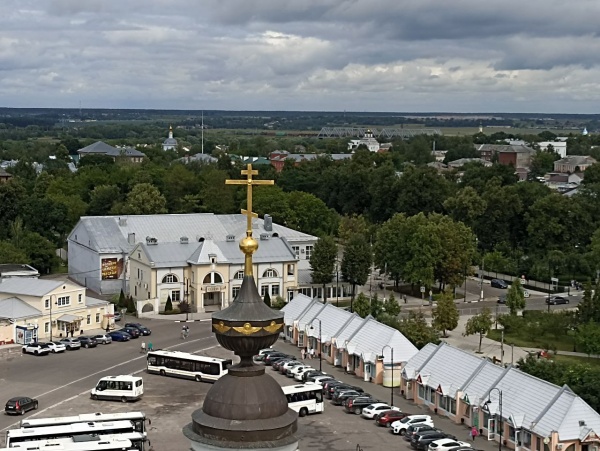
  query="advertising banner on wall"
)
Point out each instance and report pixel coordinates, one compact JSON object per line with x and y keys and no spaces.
{"x":111,"y":268}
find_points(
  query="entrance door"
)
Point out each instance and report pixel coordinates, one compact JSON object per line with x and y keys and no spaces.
{"x":212,"y":300}
{"x":491,"y":427}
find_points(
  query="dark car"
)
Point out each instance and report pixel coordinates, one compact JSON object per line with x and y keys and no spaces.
{"x":389,"y":416}
{"x":342,"y":395}
{"x":274,"y":356}
{"x":118,"y":335}
{"x":330,"y":386}
{"x":131,"y":331}
{"x":554,"y":300}
{"x":88,"y":342}
{"x":356,"y":405}
{"x":416,"y":429}
{"x":309,"y":374}
{"x":422,"y":442}
{"x":141,"y":328}
{"x":498,"y":283}
{"x":19,"y":405}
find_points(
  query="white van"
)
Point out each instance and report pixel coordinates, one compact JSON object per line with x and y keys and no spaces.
{"x":120,"y":388}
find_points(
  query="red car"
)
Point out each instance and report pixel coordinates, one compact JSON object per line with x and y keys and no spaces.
{"x":389,"y":416}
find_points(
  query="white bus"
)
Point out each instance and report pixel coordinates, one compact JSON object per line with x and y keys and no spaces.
{"x":80,"y":443}
{"x":305,"y":398}
{"x":121,"y":388}
{"x":185,"y":365}
{"x":14,"y":436}
{"x":138,"y":419}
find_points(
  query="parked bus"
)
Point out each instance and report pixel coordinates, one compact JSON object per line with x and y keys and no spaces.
{"x":304,"y":399}
{"x":14,"y":436}
{"x":79,"y":443}
{"x":185,"y":365}
{"x":120,"y":388}
{"x":138,"y":419}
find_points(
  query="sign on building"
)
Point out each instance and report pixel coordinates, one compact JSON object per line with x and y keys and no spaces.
{"x":111,"y":268}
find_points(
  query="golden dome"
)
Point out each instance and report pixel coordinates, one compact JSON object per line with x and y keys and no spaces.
{"x":248,"y":245}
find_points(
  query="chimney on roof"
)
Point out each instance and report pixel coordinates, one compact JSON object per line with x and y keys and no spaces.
{"x":131,"y":238}
{"x":268,"y":223}
{"x":122,"y":222}
{"x":184,"y":240}
{"x":151,"y":240}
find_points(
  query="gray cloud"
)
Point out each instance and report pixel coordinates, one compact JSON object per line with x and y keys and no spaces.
{"x":381,"y":55}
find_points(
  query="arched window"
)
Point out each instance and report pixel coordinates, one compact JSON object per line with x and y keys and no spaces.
{"x":213,"y":278}
{"x":239,"y":275}
{"x":270,"y":273}
{"x":170,"y":278}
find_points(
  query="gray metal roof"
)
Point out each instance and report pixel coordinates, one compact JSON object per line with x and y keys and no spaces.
{"x":371,"y":338}
{"x":306,"y":318}
{"x":169,"y":255}
{"x":15,"y":308}
{"x":463,"y":365}
{"x":347,"y":330}
{"x":108,"y":234}
{"x":413,"y":364}
{"x":271,"y":250}
{"x":332,"y":318}
{"x":304,"y":277}
{"x":29,"y":286}
{"x":102,"y":148}
{"x":481,"y":381}
{"x":293,"y":309}
{"x":93,"y":302}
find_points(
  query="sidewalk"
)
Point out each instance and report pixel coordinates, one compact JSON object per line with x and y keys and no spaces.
{"x":384,"y":394}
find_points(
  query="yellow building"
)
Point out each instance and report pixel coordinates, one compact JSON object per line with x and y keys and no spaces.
{"x":37,"y":309}
{"x":208,"y":274}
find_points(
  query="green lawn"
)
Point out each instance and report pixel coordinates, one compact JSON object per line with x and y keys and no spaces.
{"x":576,"y":359}
{"x":562,"y":343}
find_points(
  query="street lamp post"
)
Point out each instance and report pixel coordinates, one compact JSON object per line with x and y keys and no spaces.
{"x":320,"y":344}
{"x":499,"y":418}
{"x":392,"y":382}
{"x":337,"y":284}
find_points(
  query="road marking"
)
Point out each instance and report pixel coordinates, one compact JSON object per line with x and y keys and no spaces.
{"x":39,"y":412}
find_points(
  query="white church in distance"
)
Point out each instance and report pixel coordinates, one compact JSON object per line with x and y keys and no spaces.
{"x":170,"y":143}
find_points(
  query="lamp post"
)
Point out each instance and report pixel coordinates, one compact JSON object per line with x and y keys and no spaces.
{"x":392,"y":383}
{"x":337,"y":284}
{"x":50,"y":317}
{"x":499,"y":418}
{"x":320,"y":344}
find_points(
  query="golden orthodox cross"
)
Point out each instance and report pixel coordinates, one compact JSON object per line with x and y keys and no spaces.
{"x":249,"y":182}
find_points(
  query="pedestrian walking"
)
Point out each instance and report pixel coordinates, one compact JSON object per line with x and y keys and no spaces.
{"x":143,"y":348}
{"x":404,"y":297}
{"x":107,"y":328}
{"x":473,"y":433}
{"x":312,"y":353}
{"x":303,"y":353}
{"x":149,"y":346}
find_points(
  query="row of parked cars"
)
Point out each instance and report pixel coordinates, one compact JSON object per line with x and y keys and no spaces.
{"x":419,"y":430}
{"x":131,"y":330}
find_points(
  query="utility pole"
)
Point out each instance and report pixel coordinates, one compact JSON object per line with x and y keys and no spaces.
{"x":502,"y":348}
{"x":187,"y":302}
{"x":481,"y":281}
{"x":512,"y":353}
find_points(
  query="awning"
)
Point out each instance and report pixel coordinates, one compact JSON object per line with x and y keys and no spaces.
{"x":66,"y":318}
{"x":109,"y":315}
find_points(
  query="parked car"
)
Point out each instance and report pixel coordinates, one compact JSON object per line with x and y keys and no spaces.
{"x":319,"y":379}
{"x":388,"y":417}
{"x":401,"y":426}
{"x":131,"y":331}
{"x":140,"y":327}
{"x":446,"y":444}
{"x":285,"y":365}
{"x":36,"y":349}
{"x":342,"y":395}
{"x":330,"y":386}
{"x":498,"y":283}
{"x":418,"y":428}
{"x":55,"y":346}
{"x":356,"y":405}
{"x":277,"y":363}
{"x":263,"y":353}
{"x":87,"y":341}
{"x":273,"y":356}
{"x":306,"y":375}
{"x":297,"y":371}
{"x":103,"y":338}
{"x":372,"y":410}
{"x":422,"y":441}
{"x":71,"y":343}
{"x":554,"y":300}
{"x":339,"y":387}
{"x":118,"y":335}
{"x":18,"y":405}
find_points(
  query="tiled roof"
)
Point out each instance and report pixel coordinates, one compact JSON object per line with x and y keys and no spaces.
{"x":15,"y":308}
{"x":28,"y":287}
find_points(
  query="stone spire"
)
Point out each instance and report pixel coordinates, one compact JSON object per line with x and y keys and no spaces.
{"x":246,"y":408}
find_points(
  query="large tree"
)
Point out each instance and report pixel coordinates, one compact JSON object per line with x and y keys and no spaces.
{"x":445,"y":315}
{"x":144,"y":199}
{"x":356,"y":262}
{"x":322,"y":263}
{"x":479,"y":324}
{"x":515,"y":297}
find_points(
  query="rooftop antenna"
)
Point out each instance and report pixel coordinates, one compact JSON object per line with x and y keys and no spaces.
{"x":203,"y":131}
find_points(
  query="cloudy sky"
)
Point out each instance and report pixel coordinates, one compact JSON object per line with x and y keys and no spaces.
{"x":334,"y":55}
